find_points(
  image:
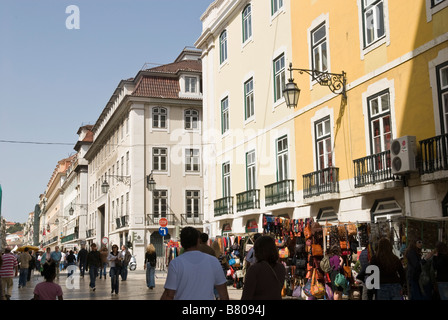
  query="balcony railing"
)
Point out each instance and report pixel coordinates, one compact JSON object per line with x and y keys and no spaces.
{"x":320,"y":182}
{"x":434,"y":153}
{"x":187,"y":218}
{"x":70,"y":237}
{"x":152,"y":219}
{"x":373,"y":169}
{"x":223,"y":206}
{"x":249,"y":199}
{"x":282,"y":191}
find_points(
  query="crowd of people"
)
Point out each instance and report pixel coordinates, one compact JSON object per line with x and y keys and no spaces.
{"x":201,"y":272}
{"x":50,"y":264}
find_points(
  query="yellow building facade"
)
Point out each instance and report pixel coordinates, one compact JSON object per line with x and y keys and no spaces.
{"x":395,"y":57}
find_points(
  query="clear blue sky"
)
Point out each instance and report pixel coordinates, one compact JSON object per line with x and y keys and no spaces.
{"x":54,"y":80}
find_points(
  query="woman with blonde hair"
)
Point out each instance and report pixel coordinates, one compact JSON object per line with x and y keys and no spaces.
{"x":150,"y":265}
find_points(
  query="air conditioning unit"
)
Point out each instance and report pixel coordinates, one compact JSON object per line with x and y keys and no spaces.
{"x":403,"y":153}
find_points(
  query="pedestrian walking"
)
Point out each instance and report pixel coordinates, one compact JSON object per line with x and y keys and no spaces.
{"x":70,"y":259}
{"x":24,"y":262}
{"x":103,"y":254}
{"x":250,"y":256}
{"x":266,"y":277}
{"x":46,"y":257}
{"x":2,"y":294}
{"x":56,"y":256}
{"x":126,"y":257}
{"x":82,"y":260}
{"x":32,"y":265}
{"x":392,"y":275}
{"x":48,"y":290}
{"x":115,"y":263}
{"x":440,"y":264}
{"x":193,"y":274}
{"x":93,"y":265}
{"x":336,"y":263}
{"x":413,"y":256}
{"x":8,"y":271}
{"x":150,"y":266}
{"x":204,"y":247}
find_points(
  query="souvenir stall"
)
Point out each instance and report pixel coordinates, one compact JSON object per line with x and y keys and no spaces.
{"x":172,"y":250}
{"x":232,"y":246}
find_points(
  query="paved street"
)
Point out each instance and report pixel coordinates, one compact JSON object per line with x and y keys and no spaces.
{"x":134,"y":288}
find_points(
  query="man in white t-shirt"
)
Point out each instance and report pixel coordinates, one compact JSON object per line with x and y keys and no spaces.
{"x":193,"y":275}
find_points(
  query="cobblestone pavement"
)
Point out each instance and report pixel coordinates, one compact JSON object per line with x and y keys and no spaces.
{"x":134,"y":288}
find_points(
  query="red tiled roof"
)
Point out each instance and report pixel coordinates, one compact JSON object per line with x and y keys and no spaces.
{"x":183,"y":65}
{"x":157,"y":87}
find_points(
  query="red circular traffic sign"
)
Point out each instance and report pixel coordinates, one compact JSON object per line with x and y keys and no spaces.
{"x":163,"y":222}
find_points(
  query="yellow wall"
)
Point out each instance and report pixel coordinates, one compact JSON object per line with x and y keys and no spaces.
{"x":403,"y":59}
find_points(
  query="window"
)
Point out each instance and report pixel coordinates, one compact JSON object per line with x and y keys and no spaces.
{"x":380,"y":122}
{"x":249,"y":109}
{"x":442,"y":87}
{"x":247,"y":23}
{"x":191,"y":119}
{"x":319,"y":49}
{"x":279,"y":77}
{"x":226,"y":179}
{"x":323,"y":144}
{"x":159,"y":159}
{"x":224,"y":115}
{"x":436,"y":2}
{"x":276,"y":5}
{"x":223,"y":47}
{"x":373,"y":21}
{"x":192,"y":199}
{"x":192,"y":160}
{"x":159,"y":118}
{"x":160,"y":202}
{"x":282,"y":158}
{"x":127,"y":163}
{"x":127,"y":203}
{"x":191,"y":84}
{"x":250,"y":170}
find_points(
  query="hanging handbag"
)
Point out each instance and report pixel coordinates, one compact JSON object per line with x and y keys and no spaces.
{"x":279,"y":242}
{"x":328,"y":292}
{"x":317,"y":289}
{"x":351,"y":229}
{"x":307,"y":231}
{"x":316,"y":250}
{"x":307,"y":288}
{"x":283,"y":253}
{"x":297,"y":292}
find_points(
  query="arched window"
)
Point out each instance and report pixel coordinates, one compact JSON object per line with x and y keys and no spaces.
{"x":247,"y":23}
{"x":191,"y":117}
{"x":223,"y":47}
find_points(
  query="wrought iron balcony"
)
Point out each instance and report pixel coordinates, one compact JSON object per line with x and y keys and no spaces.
{"x":153,"y":219}
{"x":191,"y":219}
{"x":223,"y":206}
{"x":249,"y":199}
{"x":373,"y":169}
{"x":282,"y":191}
{"x":320,"y":182}
{"x":434,"y":153}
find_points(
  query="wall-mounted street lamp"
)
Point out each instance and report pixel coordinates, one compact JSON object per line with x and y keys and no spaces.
{"x":125,"y":179}
{"x":150,"y":182}
{"x":71,"y":211}
{"x":334,"y":81}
